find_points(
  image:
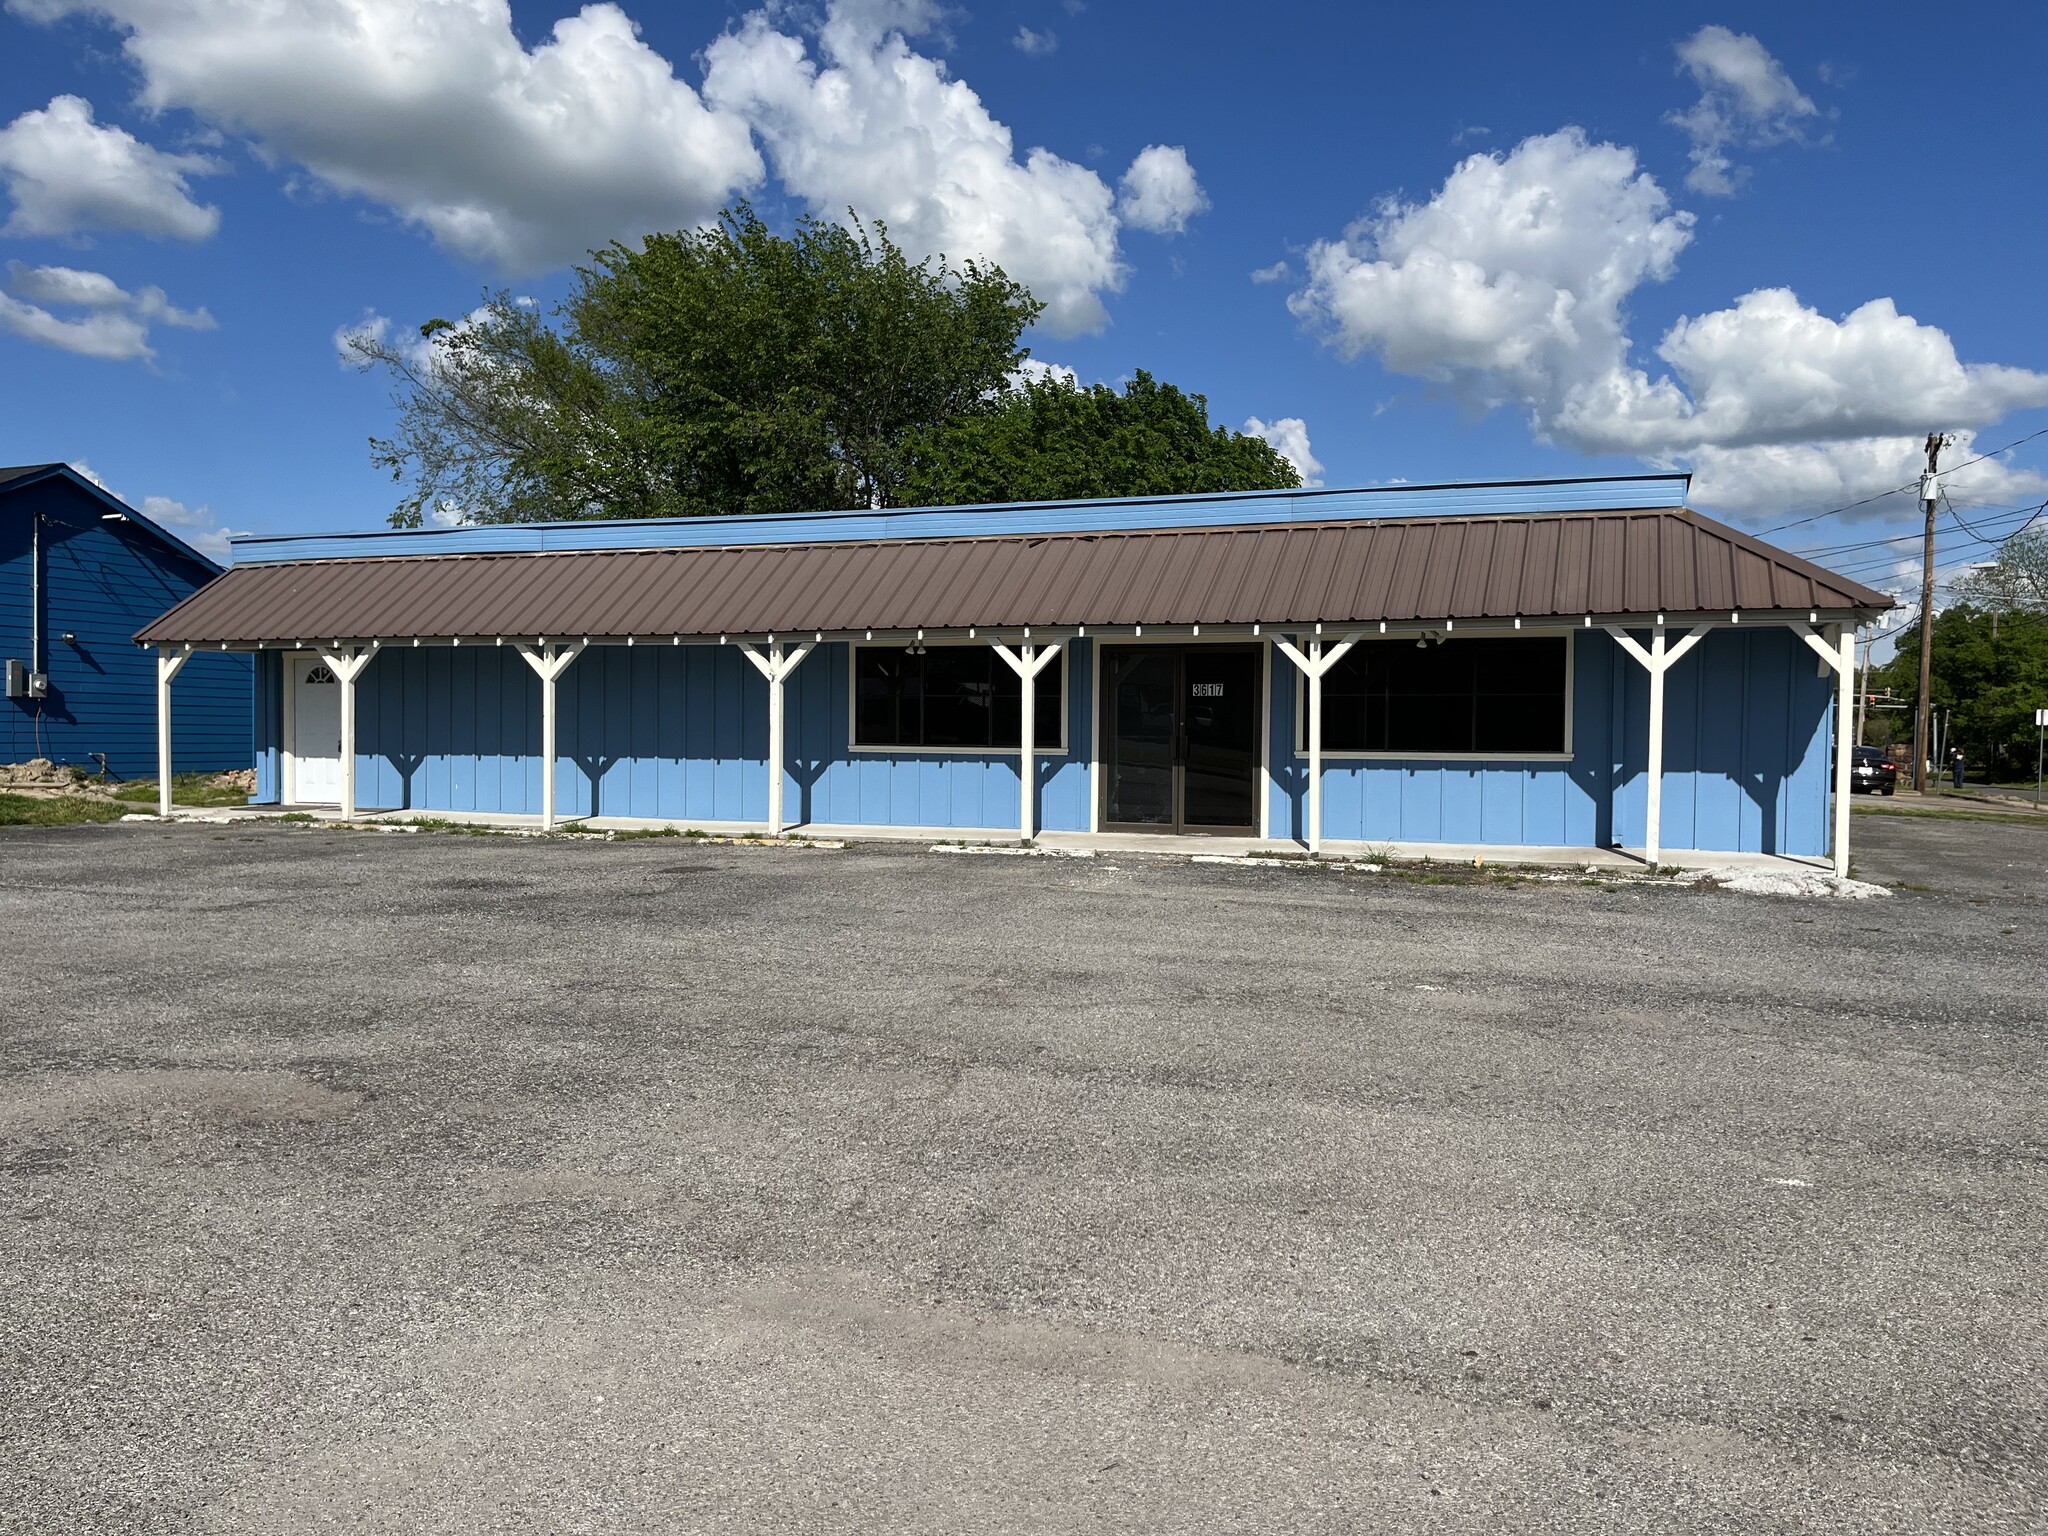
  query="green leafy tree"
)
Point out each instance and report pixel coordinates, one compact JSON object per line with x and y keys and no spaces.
{"x":717,"y":370}
{"x":1049,"y":439}
{"x":1990,"y":670}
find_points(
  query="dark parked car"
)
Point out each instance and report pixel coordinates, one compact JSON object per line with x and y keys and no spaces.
{"x":1871,"y":772}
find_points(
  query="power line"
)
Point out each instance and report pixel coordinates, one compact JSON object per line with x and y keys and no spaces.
{"x":2000,"y":539}
{"x":1910,"y":485}
{"x":1819,"y":551}
{"x":1830,"y":551}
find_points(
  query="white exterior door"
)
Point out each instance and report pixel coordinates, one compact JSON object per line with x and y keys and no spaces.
{"x":316,"y":733}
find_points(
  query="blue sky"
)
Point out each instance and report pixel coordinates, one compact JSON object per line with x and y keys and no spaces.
{"x":1774,"y":244}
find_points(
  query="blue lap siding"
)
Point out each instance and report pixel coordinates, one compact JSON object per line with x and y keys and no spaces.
{"x":102,"y":580}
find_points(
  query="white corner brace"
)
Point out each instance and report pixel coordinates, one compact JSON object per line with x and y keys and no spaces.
{"x":347,"y":662}
{"x":1314,"y":666}
{"x":776,"y":663}
{"x":1027,"y":661}
{"x":549,"y":662}
{"x":1657,"y":660}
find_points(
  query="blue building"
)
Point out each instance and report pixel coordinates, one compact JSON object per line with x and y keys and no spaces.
{"x":1574,"y":664}
{"x":80,"y":572}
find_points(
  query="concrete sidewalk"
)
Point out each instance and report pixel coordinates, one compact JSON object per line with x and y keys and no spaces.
{"x":1495,"y":855}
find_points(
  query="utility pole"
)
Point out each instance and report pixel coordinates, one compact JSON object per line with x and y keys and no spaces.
{"x":1923,"y":739}
{"x":1863,"y":692}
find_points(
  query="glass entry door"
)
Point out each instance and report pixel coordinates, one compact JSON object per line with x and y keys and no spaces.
{"x":1181,"y":738}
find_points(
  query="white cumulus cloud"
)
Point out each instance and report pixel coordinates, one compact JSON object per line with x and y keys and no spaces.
{"x":1159,"y":191}
{"x":1037,"y":371}
{"x":1510,"y":287}
{"x":525,"y":154}
{"x":1747,"y":100}
{"x":869,"y":123}
{"x":1289,"y":437}
{"x":1035,"y":44}
{"x":421,"y":352}
{"x":1772,"y":370}
{"x":68,"y":175}
{"x":1771,"y":478}
{"x":110,"y":322}
{"x":1509,"y":283}
{"x":522,"y":157}
{"x":197,"y":526}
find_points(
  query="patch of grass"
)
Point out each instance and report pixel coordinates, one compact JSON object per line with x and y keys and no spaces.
{"x":58,"y":811}
{"x":186,"y":789}
{"x":458,"y":828}
{"x":297,"y":816}
{"x":640,"y":832}
{"x":2023,"y":819}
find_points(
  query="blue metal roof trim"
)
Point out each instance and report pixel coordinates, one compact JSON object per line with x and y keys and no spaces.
{"x":1626,"y":493}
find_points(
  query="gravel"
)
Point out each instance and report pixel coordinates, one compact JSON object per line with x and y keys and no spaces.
{"x":462,"y":1184}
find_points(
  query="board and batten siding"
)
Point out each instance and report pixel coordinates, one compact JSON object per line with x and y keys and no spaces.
{"x":672,"y":732}
{"x":102,"y":580}
{"x":677,"y":733}
{"x":1746,"y":749}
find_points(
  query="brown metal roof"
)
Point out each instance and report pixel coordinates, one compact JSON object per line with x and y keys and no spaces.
{"x":1564,"y":565}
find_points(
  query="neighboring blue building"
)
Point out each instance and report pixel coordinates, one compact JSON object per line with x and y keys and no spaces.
{"x":80,"y":572}
{"x":1564,"y":664}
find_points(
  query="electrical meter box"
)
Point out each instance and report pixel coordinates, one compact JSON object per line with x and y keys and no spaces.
{"x":39,"y":685}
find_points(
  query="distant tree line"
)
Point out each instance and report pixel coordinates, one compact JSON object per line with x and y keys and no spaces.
{"x":1990,"y":664}
{"x":733,"y":370}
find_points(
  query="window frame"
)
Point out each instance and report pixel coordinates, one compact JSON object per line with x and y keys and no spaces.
{"x":1571,"y":676}
{"x":854,"y":745}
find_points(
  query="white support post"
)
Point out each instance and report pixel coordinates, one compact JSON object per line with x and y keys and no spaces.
{"x":549,"y":662}
{"x":1653,"y":810}
{"x":1658,"y":661}
{"x":1315,"y":666}
{"x":1839,"y":655}
{"x":168,"y":665}
{"x":1845,"y":709}
{"x":347,"y":662}
{"x":1027,"y":661}
{"x":776,"y":666}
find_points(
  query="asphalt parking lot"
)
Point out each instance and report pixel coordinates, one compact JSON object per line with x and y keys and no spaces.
{"x":423,"y":1183}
